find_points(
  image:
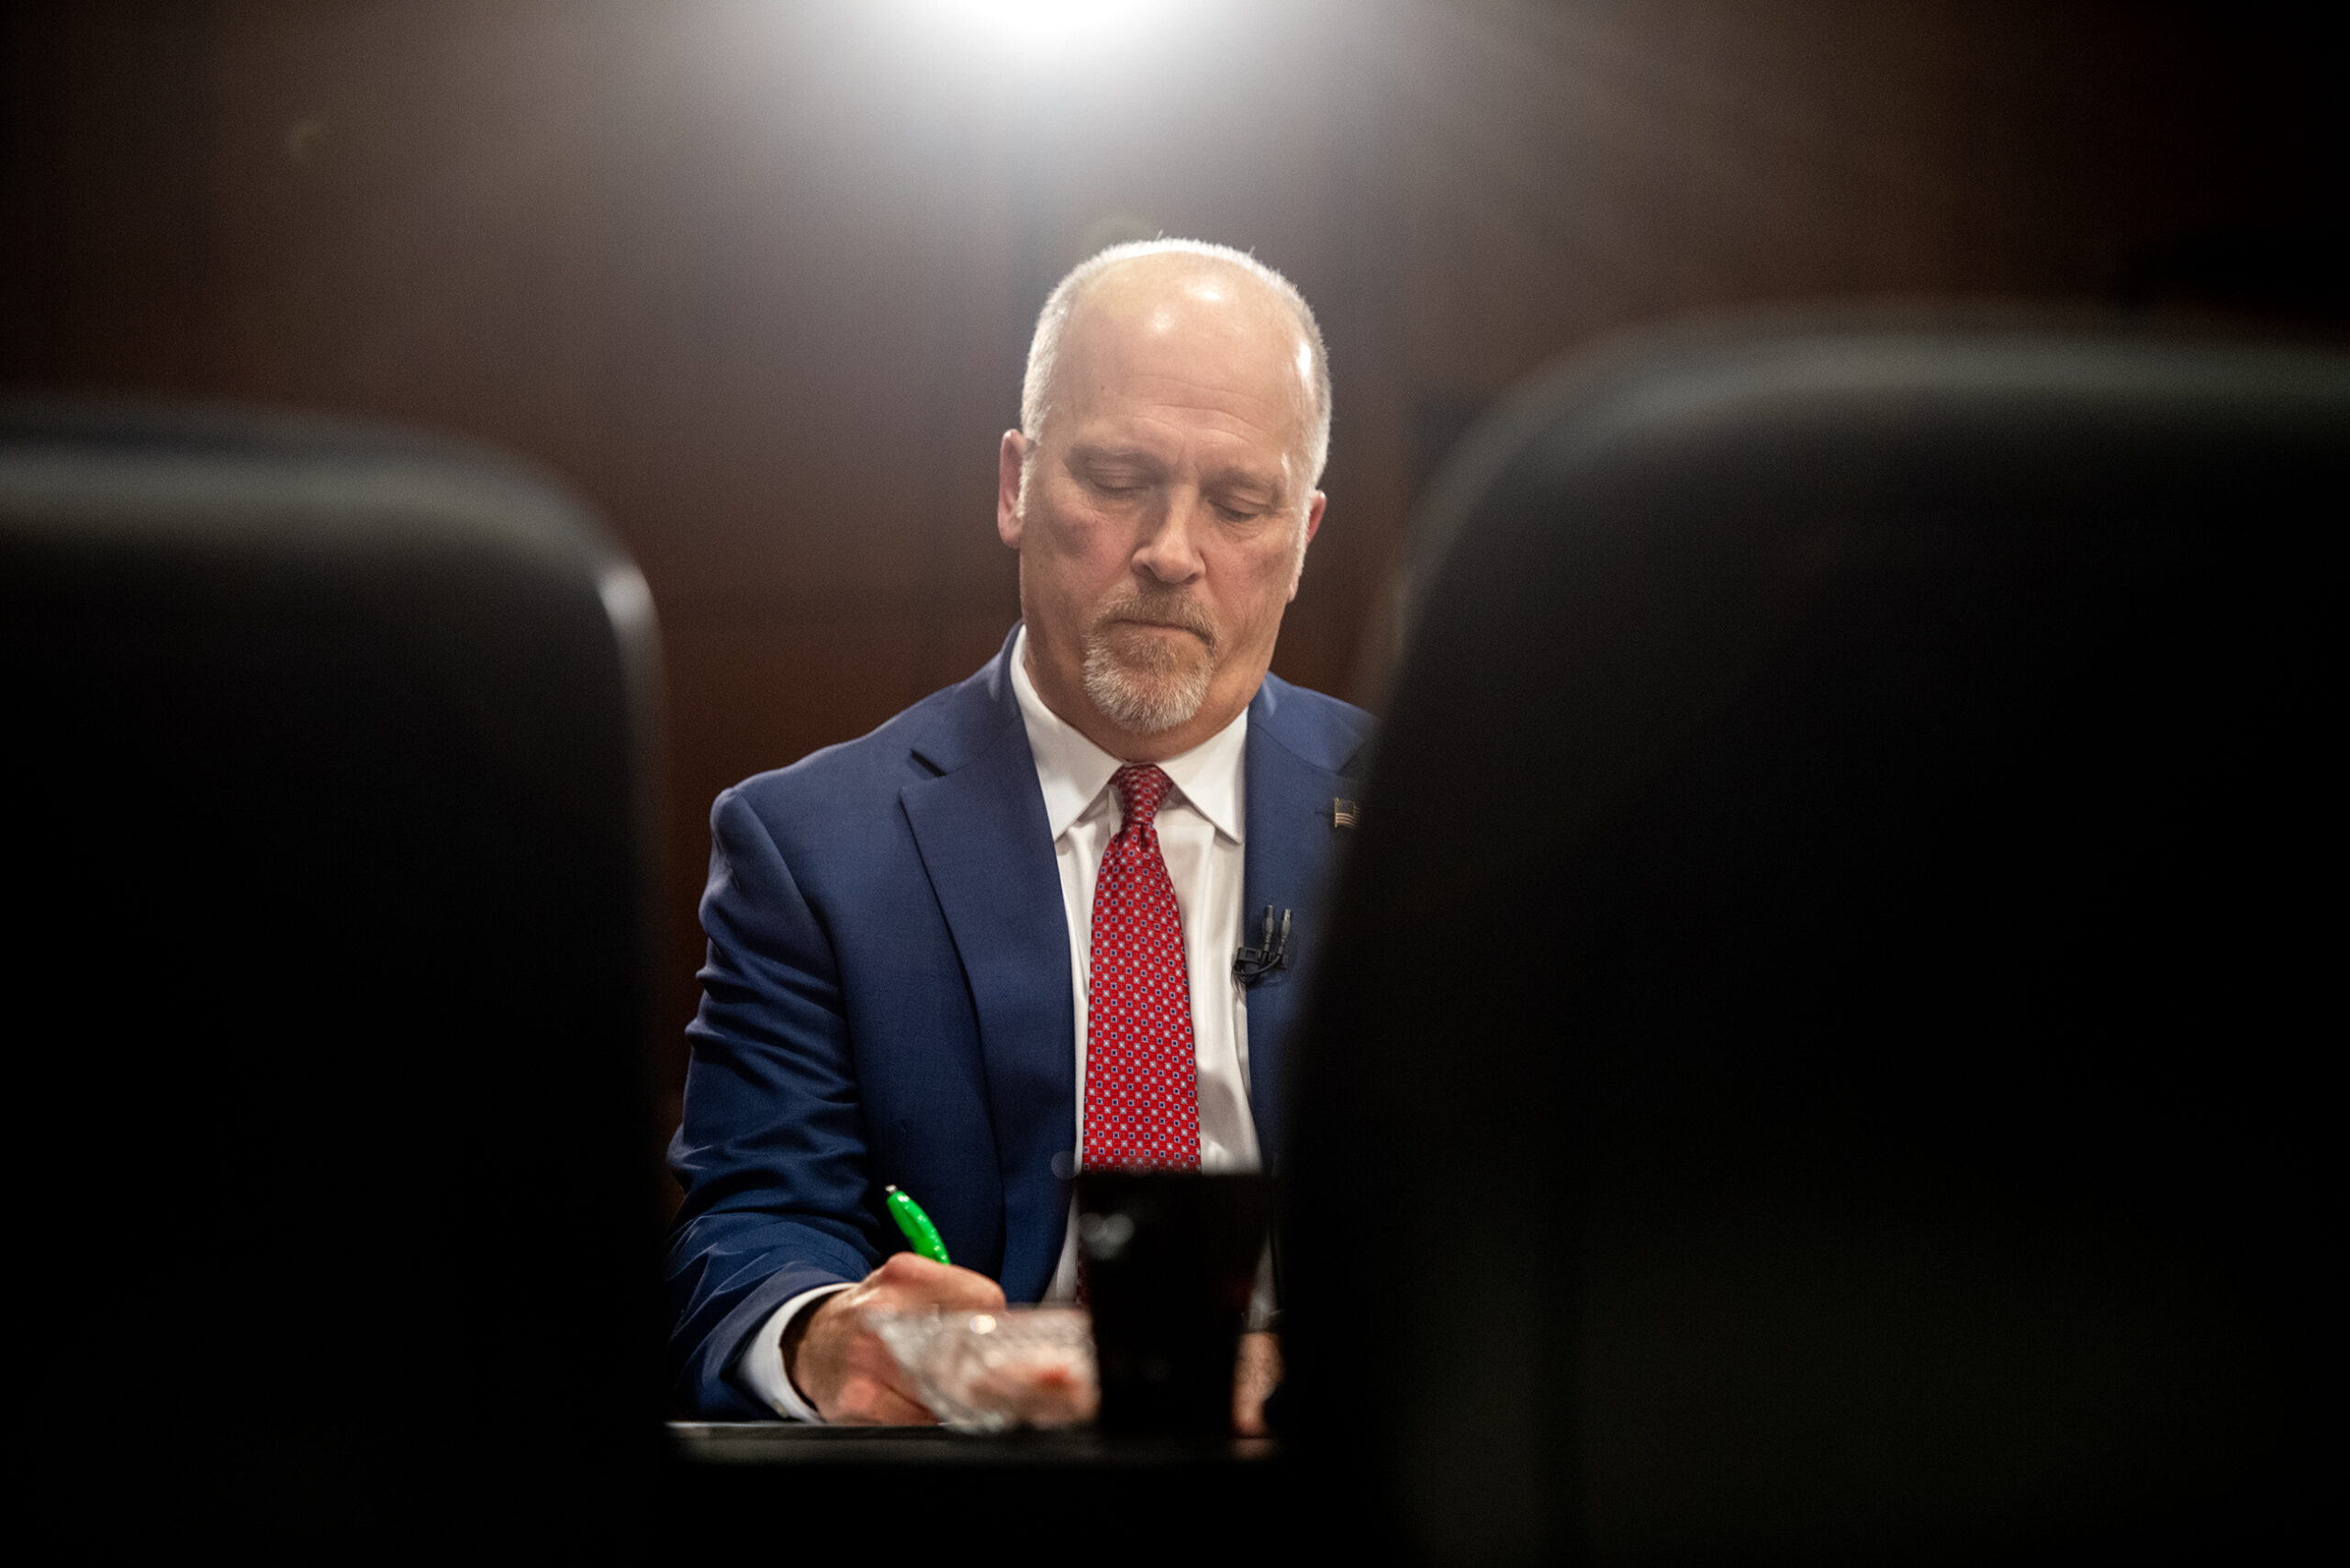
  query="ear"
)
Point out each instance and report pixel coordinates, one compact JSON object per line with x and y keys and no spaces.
{"x":1312,"y":526}
{"x":1009,"y":456}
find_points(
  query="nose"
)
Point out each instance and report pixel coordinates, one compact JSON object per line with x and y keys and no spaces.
{"x":1170,"y":551}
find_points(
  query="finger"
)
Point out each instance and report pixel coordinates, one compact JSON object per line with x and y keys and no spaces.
{"x":1254,"y":1378}
{"x":918,"y":1280}
{"x":873,"y":1365}
{"x":868,"y":1402}
{"x":969,"y":1289}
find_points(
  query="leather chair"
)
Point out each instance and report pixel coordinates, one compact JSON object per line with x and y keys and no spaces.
{"x":1821,"y":1053}
{"x":331,"y":753}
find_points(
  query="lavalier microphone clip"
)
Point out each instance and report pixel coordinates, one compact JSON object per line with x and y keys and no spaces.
{"x":1250,"y":964}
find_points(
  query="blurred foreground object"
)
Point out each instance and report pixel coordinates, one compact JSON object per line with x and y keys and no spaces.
{"x":1170,"y":1258}
{"x":989,"y":1372}
{"x":1815,"y":1058}
{"x":329,"y":761}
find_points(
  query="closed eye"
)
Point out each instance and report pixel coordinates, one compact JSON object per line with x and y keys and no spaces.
{"x":1243,"y":503}
{"x":1114,"y":473}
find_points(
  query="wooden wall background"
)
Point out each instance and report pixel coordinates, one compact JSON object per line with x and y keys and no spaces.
{"x":755,"y":277}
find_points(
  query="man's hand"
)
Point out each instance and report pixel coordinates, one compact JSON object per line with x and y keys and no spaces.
{"x":1256,"y":1375}
{"x":843,"y":1368}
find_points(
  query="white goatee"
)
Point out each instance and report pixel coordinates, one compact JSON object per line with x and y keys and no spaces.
{"x":1156,"y":687}
{"x":1145,"y":702}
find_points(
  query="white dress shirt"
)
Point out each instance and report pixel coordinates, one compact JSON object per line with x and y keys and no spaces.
{"x":1201,"y":831}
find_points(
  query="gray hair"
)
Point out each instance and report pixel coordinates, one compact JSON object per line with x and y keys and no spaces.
{"x":1044,"y":348}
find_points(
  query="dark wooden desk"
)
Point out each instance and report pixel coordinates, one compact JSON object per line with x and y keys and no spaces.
{"x":1028,"y":1496}
{"x":785,"y":1443}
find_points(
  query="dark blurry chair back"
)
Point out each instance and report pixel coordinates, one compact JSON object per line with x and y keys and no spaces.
{"x":329,"y":813}
{"x":1821,"y":1053}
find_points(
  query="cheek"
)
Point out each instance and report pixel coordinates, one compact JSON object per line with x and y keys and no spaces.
{"x":1079,"y":563}
{"x":1077,"y":534}
{"x":1257,"y":582}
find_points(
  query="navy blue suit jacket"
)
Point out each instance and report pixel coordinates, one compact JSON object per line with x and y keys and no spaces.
{"x":888,"y":999}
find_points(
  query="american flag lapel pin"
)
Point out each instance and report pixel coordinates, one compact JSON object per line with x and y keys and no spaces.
{"x":1343,"y":813}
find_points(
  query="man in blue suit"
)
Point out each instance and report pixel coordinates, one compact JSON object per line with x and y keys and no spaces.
{"x":960,"y":954}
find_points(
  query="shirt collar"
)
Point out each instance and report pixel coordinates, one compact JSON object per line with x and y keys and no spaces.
{"x":1073,"y":771}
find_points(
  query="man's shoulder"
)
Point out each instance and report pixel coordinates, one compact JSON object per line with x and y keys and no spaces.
{"x":863,"y":775}
{"x":841,"y":782}
{"x":1317,"y":727}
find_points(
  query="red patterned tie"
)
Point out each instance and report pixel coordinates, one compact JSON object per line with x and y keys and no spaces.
{"x":1142,"y":1089}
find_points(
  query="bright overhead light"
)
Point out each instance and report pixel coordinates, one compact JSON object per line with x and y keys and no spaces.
{"x":1044,"y":29}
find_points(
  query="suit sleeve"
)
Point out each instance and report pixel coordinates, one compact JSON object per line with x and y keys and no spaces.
{"x":771,"y":1148}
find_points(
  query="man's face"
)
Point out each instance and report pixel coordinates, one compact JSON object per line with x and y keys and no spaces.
{"x":1166,"y":509}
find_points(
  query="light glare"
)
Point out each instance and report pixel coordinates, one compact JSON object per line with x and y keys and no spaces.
{"x":1046,"y":30}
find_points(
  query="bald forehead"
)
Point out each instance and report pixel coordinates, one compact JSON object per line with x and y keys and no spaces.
{"x":1200,"y":299}
{"x":1177,"y":278}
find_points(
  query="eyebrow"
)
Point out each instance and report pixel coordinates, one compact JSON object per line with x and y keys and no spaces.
{"x":1272,"y":485}
{"x":1253,"y":485}
{"x":1137,"y":455}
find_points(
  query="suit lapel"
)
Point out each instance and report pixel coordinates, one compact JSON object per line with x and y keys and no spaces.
{"x":1291,"y":843}
{"x":979,"y":826}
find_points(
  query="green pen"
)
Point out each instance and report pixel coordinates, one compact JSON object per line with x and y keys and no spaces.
{"x":919,"y":1232}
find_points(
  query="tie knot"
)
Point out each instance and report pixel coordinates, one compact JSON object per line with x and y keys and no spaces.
{"x":1140,"y":787}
